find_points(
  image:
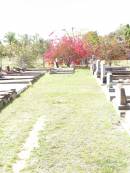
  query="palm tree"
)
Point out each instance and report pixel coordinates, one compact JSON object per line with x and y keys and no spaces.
{"x":10,"y":38}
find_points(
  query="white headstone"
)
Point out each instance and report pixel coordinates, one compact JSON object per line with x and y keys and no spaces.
{"x":102,"y":71}
{"x":97,"y":68}
{"x":109,"y":78}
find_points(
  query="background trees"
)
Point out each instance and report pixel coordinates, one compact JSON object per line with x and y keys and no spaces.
{"x":72,"y":48}
{"x":111,"y":49}
{"x":28,"y":51}
{"x":92,"y":39}
{"x":68,"y":49}
{"x":22,"y":50}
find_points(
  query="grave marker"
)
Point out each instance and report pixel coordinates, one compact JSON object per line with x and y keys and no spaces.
{"x":97,"y":72}
{"x":121,"y":97}
{"x":102,"y":72}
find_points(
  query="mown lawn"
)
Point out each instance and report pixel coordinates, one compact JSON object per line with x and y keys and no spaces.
{"x":16,"y":120}
{"x":81,"y":133}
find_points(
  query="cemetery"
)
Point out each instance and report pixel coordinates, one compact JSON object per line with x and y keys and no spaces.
{"x":115,"y":81}
{"x":65,"y":103}
{"x":62,"y":70}
{"x":64,"y":86}
{"x":79,"y":89}
{"x":12,"y":84}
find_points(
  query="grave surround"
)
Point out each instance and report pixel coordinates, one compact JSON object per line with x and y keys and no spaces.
{"x":13,"y":84}
{"x":114,"y":92}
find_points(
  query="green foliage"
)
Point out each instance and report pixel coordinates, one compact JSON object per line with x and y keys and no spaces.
{"x":111,"y":49}
{"x":124,"y":33}
{"x":10,"y":38}
{"x":92,"y":37}
{"x":127,"y":34}
{"x":3,"y":52}
{"x":24,"y":50}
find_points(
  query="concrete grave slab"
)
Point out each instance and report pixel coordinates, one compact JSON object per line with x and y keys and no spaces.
{"x":16,"y":81}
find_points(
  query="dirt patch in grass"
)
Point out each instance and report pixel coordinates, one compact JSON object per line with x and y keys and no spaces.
{"x":16,"y":120}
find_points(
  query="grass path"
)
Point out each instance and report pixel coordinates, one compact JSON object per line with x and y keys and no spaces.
{"x":81,"y":135}
{"x":29,"y":145}
{"x":16,"y":121}
{"x":78,"y":136}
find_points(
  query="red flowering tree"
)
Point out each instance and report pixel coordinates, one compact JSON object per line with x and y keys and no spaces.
{"x":67,"y":49}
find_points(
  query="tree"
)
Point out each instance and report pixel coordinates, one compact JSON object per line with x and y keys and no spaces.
{"x":123,"y":34}
{"x":29,"y":49}
{"x":127,"y":34}
{"x":92,"y":39}
{"x":3,"y":53}
{"x":10,"y":38}
{"x":111,"y":49}
{"x":67,"y":49}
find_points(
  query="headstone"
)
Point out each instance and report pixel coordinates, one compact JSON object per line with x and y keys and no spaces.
{"x":8,"y":68}
{"x":109,"y":78}
{"x":97,"y":72}
{"x":120,"y":95}
{"x":102,"y":72}
{"x":109,"y":82}
{"x":123,"y":97}
{"x":120,"y":81}
{"x":127,"y":80}
{"x":93,"y":67}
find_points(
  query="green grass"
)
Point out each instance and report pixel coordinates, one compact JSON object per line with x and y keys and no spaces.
{"x":81,"y":135}
{"x":16,"y":120}
{"x":78,"y":137}
{"x":13,"y":62}
{"x":121,"y":63}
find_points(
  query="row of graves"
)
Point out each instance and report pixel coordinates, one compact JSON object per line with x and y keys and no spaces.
{"x":14,"y":82}
{"x":61,"y":70}
{"x":115,"y":82}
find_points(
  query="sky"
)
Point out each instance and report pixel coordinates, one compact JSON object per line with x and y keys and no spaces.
{"x":60,"y":16}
